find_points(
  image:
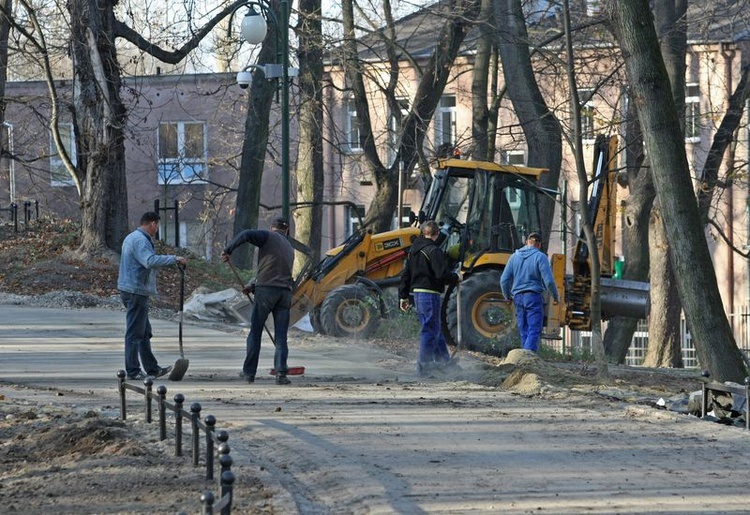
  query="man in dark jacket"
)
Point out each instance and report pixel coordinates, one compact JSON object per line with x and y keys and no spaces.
{"x":424,"y":276}
{"x":273,"y":294}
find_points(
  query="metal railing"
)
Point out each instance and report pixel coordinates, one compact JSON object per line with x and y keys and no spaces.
{"x":580,"y":341}
{"x":215,"y":441}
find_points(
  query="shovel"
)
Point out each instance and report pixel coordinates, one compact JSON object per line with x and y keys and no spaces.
{"x":181,"y":365}
{"x":292,"y":371}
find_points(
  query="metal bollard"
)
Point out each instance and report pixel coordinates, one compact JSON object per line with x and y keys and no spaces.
{"x":149,"y":382}
{"x":179,"y":400}
{"x":227,"y":489}
{"x":210,"y":421}
{"x":208,"y":502}
{"x":162,"y":392}
{"x":121,"y":389}
{"x":195,"y":411}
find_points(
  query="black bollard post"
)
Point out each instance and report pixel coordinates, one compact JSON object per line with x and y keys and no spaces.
{"x":208,"y":502}
{"x":121,"y":375}
{"x":210,"y":421}
{"x":704,"y":397}
{"x":179,"y":400}
{"x":225,"y":460}
{"x":195,"y":415}
{"x":162,"y":392}
{"x":149,"y":382}
{"x":747,"y":403}
{"x":227,"y":489}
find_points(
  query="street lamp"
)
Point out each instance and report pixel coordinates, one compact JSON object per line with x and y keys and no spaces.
{"x":254,"y":29}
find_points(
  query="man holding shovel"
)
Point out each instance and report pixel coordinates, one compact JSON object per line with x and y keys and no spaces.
{"x":137,"y":284}
{"x":273,"y":294}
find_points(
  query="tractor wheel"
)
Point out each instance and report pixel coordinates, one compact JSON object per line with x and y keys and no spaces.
{"x":350,"y":310}
{"x":487,"y":320}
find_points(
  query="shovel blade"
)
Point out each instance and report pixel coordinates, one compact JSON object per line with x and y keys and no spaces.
{"x":179,"y":369}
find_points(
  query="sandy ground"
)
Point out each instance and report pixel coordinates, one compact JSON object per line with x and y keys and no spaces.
{"x":359,"y":433}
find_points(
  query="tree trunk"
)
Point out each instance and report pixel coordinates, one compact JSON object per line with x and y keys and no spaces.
{"x":101,"y":118}
{"x":541,"y":129}
{"x":694,"y":272}
{"x":255,"y":145}
{"x":480,"y":119}
{"x":635,"y":225}
{"x":310,"y":179}
{"x":664,"y":342}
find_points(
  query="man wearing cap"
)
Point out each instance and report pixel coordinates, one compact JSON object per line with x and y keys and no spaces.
{"x":273,"y":294}
{"x":528,"y":274}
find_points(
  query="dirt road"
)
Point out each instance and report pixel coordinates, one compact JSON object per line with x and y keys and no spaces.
{"x":361,"y":433}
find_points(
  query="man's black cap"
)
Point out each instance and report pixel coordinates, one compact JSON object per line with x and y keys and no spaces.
{"x":281,"y":223}
{"x":535,"y":236}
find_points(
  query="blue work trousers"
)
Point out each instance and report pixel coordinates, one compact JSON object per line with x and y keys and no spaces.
{"x":275,"y":301}
{"x":530,"y":318}
{"x":432,"y":346}
{"x":138,"y":335}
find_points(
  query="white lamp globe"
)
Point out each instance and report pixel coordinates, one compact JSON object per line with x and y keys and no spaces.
{"x":253,"y":27}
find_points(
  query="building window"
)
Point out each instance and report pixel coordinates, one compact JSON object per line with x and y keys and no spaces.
{"x":59,"y":175}
{"x":182,"y":153}
{"x":445,"y":122}
{"x":355,"y":215}
{"x":352,"y":127}
{"x":692,"y":113}
{"x":587,"y":114}
{"x":514,"y":157}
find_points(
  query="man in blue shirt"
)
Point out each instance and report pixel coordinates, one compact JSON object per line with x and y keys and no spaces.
{"x":528,"y":274}
{"x":137,"y":284}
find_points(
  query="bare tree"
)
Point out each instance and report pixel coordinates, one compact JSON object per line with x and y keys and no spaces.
{"x":634,"y":29}
{"x":310,"y":174}
{"x":433,"y":78}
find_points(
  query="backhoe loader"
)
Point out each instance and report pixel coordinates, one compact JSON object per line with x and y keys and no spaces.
{"x":485,"y":211}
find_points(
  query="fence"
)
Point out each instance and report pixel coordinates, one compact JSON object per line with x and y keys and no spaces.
{"x":214,"y":440}
{"x":28,"y":212}
{"x":580,"y":341}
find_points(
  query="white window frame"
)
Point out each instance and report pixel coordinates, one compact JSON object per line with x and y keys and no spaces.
{"x":446,"y":114}
{"x":58,"y":174}
{"x":181,"y":169}
{"x":352,"y":127}
{"x":692,"y":112}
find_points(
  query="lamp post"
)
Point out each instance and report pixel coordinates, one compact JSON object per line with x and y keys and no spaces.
{"x":254,"y":28}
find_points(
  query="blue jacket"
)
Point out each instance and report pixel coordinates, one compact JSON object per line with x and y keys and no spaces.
{"x":528,"y":269}
{"x":138,"y":264}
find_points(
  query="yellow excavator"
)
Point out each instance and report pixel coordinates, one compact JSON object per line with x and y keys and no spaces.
{"x":485,"y":211}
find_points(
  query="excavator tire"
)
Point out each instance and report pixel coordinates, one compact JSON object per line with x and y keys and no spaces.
{"x":350,"y":310}
{"x":487,"y":320}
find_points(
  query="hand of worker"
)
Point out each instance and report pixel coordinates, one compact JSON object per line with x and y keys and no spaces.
{"x":249,"y":289}
{"x":404,"y":304}
{"x":225,"y":257}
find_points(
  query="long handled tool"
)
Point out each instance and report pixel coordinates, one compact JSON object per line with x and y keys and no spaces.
{"x":181,"y":365}
{"x":292,"y":371}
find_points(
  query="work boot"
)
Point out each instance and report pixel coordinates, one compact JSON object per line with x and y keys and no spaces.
{"x":282,"y":379}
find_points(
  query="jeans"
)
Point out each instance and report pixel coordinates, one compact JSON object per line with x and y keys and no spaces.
{"x":432,"y":346}
{"x":138,"y":335}
{"x":268,"y":300}
{"x":530,"y":318}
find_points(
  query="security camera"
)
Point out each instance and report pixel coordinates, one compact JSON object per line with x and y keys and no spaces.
{"x":244,"y":79}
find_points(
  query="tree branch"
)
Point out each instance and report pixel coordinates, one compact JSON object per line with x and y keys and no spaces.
{"x":174,"y":57}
